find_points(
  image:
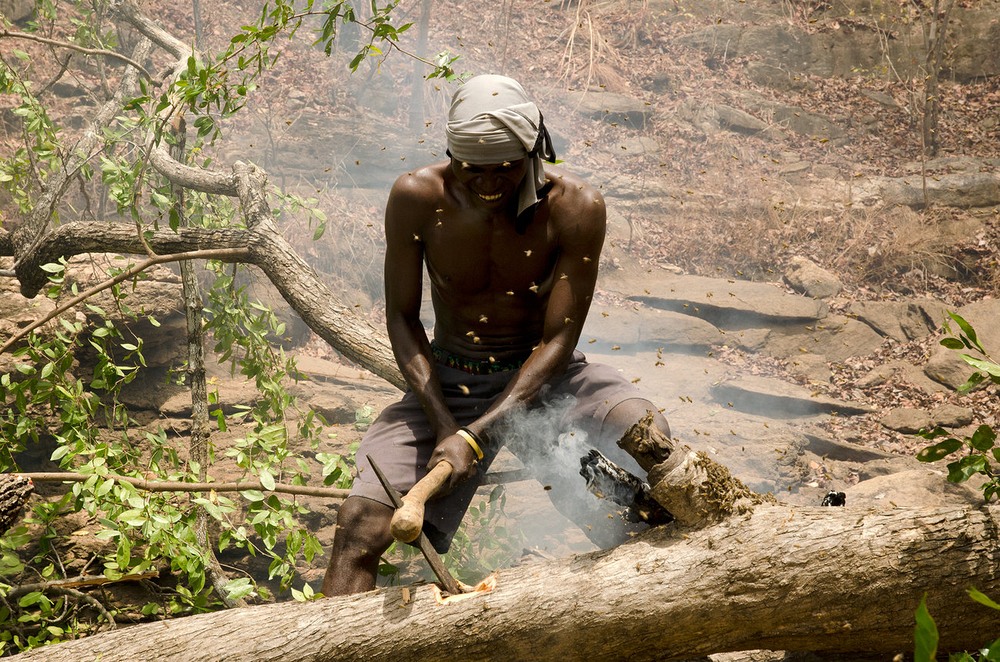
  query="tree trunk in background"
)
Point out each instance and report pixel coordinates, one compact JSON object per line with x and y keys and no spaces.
{"x":417,"y":84}
{"x":826,"y":580}
{"x":199,"y":35}
{"x":935,"y":28}
{"x":200,"y":428}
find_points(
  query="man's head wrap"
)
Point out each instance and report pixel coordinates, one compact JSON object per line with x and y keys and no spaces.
{"x":491,"y":121}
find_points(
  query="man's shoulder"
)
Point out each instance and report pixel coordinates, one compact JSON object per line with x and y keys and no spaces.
{"x":422,"y":184}
{"x":571,"y":193}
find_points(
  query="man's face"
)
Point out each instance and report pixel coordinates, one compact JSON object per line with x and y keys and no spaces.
{"x":493,"y":184}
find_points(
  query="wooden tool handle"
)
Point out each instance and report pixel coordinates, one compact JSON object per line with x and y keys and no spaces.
{"x":409,"y":518}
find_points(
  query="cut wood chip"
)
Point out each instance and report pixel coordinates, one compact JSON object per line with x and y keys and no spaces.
{"x":485,"y":586}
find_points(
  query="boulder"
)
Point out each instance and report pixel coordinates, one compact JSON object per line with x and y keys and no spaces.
{"x":17,"y":10}
{"x":906,"y":320}
{"x":962,"y":190}
{"x":650,"y":328}
{"x":842,"y":451}
{"x":945,"y":367}
{"x":611,"y":107}
{"x":728,"y":303}
{"x":915,"y":488}
{"x":807,"y":277}
{"x":779,"y":399}
{"x":906,"y":420}
{"x":739,"y":121}
{"x":904,"y":372}
{"x":836,"y":338}
{"x":776,"y":76}
{"x":951,"y":416}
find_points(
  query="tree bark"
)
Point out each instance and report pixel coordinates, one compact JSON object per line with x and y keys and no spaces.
{"x":14,"y":492}
{"x":827,"y":580}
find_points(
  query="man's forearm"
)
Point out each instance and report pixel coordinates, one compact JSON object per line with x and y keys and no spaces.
{"x":413,"y":355}
{"x":546,"y":362}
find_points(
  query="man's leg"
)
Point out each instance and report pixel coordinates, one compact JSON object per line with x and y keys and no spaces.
{"x":362,"y":535}
{"x":626,"y":414}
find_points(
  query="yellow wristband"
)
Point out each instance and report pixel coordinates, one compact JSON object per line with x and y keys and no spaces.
{"x":465,"y":434}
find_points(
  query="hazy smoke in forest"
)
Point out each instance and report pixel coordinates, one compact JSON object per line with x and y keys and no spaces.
{"x":551,"y":449}
{"x":540,"y":439}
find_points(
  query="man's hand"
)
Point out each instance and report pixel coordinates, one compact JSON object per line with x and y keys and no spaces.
{"x":459,"y":454}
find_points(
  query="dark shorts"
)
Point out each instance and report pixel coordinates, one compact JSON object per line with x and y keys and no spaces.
{"x":401,"y":439}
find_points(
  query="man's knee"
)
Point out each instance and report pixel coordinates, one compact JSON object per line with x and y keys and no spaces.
{"x":363,"y":526}
{"x":629,"y":412}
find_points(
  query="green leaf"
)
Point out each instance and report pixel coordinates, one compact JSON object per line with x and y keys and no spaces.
{"x":953,"y":343}
{"x":966,"y":468}
{"x":975,"y":379}
{"x":983,"y":439}
{"x":30,"y":599}
{"x":983,"y":599}
{"x":105,"y":487}
{"x":59,"y":453}
{"x":935,"y":452}
{"x":266,"y":479}
{"x":966,"y":329}
{"x":239,"y":588}
{"x":986,"y":366}
{"x":53,"y":268}
{"x":925,"y":635}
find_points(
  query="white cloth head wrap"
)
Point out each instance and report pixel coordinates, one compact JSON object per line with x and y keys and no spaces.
{"x":491,"y":121}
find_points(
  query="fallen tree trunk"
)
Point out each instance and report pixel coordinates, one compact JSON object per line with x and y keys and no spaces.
{"x":827,"y":580}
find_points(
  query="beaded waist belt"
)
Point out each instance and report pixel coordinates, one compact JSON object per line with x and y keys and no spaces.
{"x":473,"y":366}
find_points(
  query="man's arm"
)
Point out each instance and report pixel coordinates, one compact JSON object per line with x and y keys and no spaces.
{"x":581,"y":221}
{"x":405,"y":216}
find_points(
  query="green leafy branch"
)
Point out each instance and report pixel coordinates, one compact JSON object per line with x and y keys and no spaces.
{"x":979,"y":453}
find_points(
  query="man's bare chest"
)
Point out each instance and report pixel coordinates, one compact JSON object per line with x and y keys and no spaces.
{"x":468,"y":258}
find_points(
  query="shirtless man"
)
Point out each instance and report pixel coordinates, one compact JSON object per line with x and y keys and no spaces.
{"x":512,"y":250}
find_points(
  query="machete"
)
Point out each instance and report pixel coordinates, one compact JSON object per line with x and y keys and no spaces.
{"x":423,"y":543}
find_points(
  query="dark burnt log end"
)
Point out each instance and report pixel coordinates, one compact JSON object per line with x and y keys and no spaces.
{"x":14,"y":492}
{"x":607,"y":480}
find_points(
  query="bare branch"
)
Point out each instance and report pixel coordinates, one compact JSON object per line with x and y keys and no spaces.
{"x":70,"y":592}
{"x":229,"y":254}
{"x":85,"y":581}
{"x":181,"y":486}
{"x":74,"y":47}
